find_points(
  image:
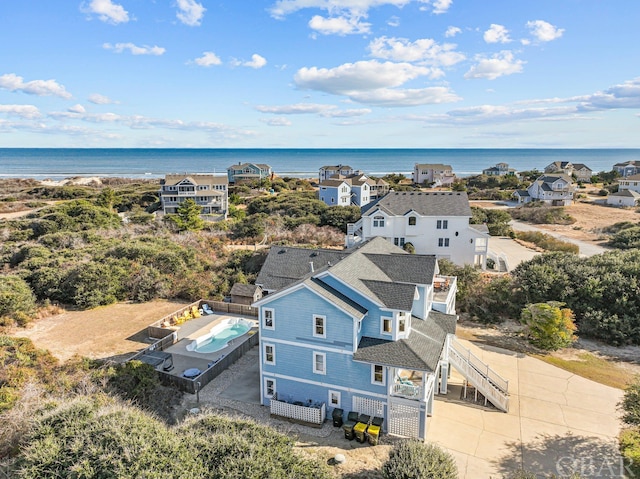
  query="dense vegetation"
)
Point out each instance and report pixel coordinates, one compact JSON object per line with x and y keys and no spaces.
{"x":413,"y":459}
{"x":101,"y":437}
{"x":630,"y":437}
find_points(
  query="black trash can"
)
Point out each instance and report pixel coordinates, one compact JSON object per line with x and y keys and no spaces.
{"x":337,"y":417}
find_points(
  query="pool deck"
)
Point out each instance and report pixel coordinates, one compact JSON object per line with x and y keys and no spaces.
{"x":193,"y":329}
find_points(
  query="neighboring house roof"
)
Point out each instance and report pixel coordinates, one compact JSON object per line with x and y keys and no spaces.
{"x":262,"y":166}
{"x":580,"y":166}
{"x":626,"y":163}
{"x":334,"y":183}
{"x":196,"y":179}
{"x":336,"y":167}
{"x":635,"y":177}
{"x":522,"y":193}
{"x":627,"y":193}
{"x":239,"y":289}
{"x":404,"y":267}
{"x":481,"y":228}
{"x":423,"y":203}
{"x":433,"y":166}
{"x":420,"y":351}
{"x":285,"y":265}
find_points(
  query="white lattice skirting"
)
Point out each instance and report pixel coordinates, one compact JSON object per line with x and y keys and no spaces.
{"x":312,"y":415}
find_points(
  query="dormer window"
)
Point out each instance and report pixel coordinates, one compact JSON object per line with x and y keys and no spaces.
{"x":412,"y":220}
{"x":378,"y":221}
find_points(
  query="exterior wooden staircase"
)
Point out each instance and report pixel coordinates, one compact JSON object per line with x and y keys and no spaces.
{"x":489,"y":383}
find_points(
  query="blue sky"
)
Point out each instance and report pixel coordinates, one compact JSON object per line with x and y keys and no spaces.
{"x":320,"y":73}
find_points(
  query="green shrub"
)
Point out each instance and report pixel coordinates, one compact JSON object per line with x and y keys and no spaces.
{"x":547,"y":242}
{"x":411,"y":459}
{"x":17,"y":301}
{"x":630,"y":404}
{"x":539,"y":213}
{"x":630,"y":449}
{"x":549,"y":326}
{"x":626,"y":238}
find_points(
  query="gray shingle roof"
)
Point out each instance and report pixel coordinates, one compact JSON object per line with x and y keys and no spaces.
{"x":285,"y":265}
{"x":392,"y":295}
{"x":335,"y":297}
{"x":626,"y":193}
{"x":406,"y":268}
{"x":420,"y":351}
{"x":239,"y":289}
{"x":432,"y":203}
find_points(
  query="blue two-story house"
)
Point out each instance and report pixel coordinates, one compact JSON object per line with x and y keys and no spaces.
{"x":367,"y":330}
{"x":243,"y":172}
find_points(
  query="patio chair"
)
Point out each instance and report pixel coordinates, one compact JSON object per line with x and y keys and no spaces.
{"x":207,"y":309}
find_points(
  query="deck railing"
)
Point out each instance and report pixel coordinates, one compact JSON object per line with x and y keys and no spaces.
{"x":409,"y":391}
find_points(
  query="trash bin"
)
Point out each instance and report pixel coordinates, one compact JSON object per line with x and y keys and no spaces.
{"x":373,"y":431}
{"x":360,"y":429}
{"x":352,"y":419}
{"x":337,"y":417}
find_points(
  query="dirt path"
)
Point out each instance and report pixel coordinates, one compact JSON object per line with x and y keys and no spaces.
{"x":105,"y":332}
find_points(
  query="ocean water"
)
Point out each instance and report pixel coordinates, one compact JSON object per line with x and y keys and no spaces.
{"x":60,"y":163}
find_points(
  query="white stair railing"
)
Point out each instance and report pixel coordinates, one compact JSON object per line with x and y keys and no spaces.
{"x":494,"y":387}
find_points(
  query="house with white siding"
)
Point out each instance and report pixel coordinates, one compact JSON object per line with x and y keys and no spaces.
{"x":433,"y":174}
{"x":329,"y":171}
{"x":580,"y":171}
{"x":553,"y":189}
{"x":369,"y":330}
{"x":210,"y":192}
{"x":631,"y":183}
{"x":434,"y":222}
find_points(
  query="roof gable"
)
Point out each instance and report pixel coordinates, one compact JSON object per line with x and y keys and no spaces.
{"x":440,"y":203}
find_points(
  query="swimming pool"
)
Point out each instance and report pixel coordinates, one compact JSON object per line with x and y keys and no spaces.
{"x":220,"y":335}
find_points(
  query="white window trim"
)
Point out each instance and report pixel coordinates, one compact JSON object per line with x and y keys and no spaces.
{"x":373,"y":375}
{"x":324,"y":363}
{"x":382,"y":320}
{"x":338,"y":394}
{"x":264,"y":353}
{"x":266,"y":389}
{"x":273,"y":319}
{"x":324,"y":326}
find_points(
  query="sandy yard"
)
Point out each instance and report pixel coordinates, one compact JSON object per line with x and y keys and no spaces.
{"x":591,"y":218}
{"x":104,"y":332}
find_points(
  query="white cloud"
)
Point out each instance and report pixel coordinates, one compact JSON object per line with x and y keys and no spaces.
{"x":77,"y":109}
{"x":544,"y":31}
{"x":373,"y":82}
{"x":424,"y":50}
{"x":282,"y":8}
{"x":452,"y":32}
{"x":28,"y":112}
{"x":108,"y":11}
{"x":296,"y":109}
{"x":13,"y":82}
{"x":278,"y":121}
{"x":394,"y":21}
{"x":208,"y":59}
{"x":330,"y":111}
{"x":441,"y":6}
{"x":190,"y":12}
{"x":338,"y":25}
{"x":625,"y":95}
{"x":99,"y":99}
{"x":256,"y":62}
{"x":497,"y":34}
{"x":134,"y":49}
{"x":498,"y":65}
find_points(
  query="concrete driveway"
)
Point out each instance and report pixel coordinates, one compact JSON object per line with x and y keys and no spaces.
{"x":557,"y":422}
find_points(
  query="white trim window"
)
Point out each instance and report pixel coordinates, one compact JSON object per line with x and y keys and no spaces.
{"x":319,"y":363}
{"x":334,"y":398}
{"x":377,"y":375}
{"x":269,"y":353}
{"x":412,"y":220}
{"x":268,"y":318}
{"x":319,"y":326}
{"x":378,"y":221}
{"x":386,"y":325}
{"x":269,"y":387}
{"x":442,"y":224}
{"x":443,"y":242}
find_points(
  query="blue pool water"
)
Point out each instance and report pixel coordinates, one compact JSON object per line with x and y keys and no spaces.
{"x":220,"y":340}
